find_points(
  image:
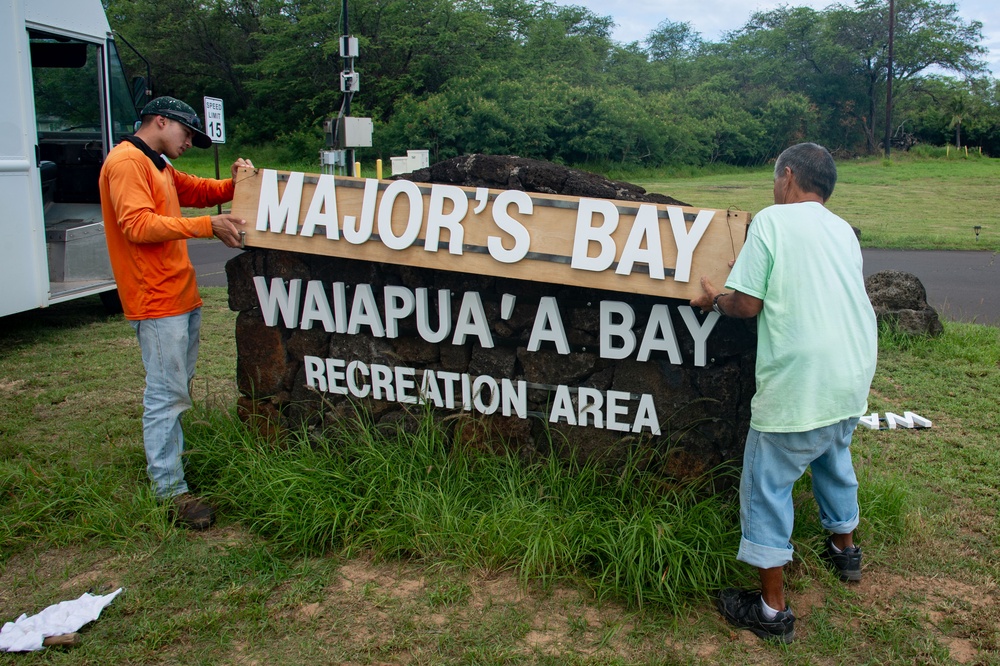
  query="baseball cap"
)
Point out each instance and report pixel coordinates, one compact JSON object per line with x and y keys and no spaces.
{"x":170,"y":107}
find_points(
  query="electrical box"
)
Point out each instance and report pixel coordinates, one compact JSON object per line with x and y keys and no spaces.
{"x":350,"y":82}
{"x":333,"y":158}
{"x":418,"y":159}
{"x":348,"y":47}
{"x":354,"y":132}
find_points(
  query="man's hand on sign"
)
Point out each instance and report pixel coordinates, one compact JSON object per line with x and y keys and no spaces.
{"x":731,"y":304}
{"x":226,"y":228}
{"x":240,"y":162}
{"x":704,"y":301}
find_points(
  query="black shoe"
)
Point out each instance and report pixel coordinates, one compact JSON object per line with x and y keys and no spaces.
{"x":192,"y":512}
{"x":742,"y":609}
{"x":847,"y":563}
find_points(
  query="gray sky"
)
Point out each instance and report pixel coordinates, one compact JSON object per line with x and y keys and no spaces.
{"x":711,"y":18}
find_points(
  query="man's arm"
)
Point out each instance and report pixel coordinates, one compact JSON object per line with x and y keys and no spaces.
{"x":134,"y":205}
{"x":192,"y":191}
{"x":732,"y":304}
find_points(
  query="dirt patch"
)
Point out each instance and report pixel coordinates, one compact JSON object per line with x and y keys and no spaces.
{"x":961,"y":615}
{"x":30,"y":582}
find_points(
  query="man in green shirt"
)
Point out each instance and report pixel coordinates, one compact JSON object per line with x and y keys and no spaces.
{"x":800,"y":274}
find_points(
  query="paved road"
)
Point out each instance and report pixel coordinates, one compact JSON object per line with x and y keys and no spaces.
{"x":962,"y":286}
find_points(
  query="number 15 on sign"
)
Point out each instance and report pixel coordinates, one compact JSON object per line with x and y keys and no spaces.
{"x":215,"y":120}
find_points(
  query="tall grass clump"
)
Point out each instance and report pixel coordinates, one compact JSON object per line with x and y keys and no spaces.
{"x":409,"y":492}
{"x":406,"y":492}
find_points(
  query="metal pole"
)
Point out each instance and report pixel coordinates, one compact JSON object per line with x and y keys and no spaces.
{"x":348,"y":66}
{"x":216,"y":146}
{"x":888,"y":82}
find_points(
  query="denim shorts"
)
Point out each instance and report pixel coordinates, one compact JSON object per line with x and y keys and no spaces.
{"x":772,"y":463}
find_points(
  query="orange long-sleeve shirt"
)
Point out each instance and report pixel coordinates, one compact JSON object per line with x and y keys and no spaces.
{"x":147,"y":237}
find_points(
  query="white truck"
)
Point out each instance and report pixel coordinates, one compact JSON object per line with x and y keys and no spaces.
{"x":66,"y":103}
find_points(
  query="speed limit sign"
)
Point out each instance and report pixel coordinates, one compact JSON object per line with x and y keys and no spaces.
{"x":215,"y":120}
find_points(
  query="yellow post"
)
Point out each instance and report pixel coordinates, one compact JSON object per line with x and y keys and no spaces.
{"x":378,"y":168}
{"x":947,"y":150}
{"x":966,"y":151}
{"x":357,"y":169}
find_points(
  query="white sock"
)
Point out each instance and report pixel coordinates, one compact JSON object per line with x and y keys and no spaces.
{"x":769,"y":613}
{"x":834,"y":548}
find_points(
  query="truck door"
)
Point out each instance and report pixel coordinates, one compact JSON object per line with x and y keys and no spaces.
{"x":23,"y":274}
{"x":68,"y":79}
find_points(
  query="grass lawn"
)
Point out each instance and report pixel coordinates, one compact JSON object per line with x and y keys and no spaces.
{"x":913,"y":203}
{"x":76,"y":515}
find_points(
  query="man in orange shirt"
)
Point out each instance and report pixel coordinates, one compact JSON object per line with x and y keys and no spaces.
{"x":141,"y":199}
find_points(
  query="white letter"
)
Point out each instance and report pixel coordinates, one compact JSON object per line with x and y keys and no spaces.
{"x":404,"y":382}
{"x":699,"y":332}
{"x":515,"y":398}
{"x":907,"y":420}
{"x":590,"y":401}
{"x":585,"y":234}
{"x":622,"y":330}
{"x":335,"y":373}
{"x":522,"y":240}
{"x":429,"y":389}
{"x":352,"y":382}
{"x":269,"y":208}
{"x":444,"y":316}
{"x":322,"y":209}
{"x":316,"y":308}
{"x":646,"y":416}
{"x":686,"y":241}
{"x":413,"y":221}
{"x":870,"y":422}
{"x":477,"y":394}
{"x":314,"y":372}
{"x":278,"y":298}
{"x":382,"y":381}
{"x":449,"y":379}
{"x":548,"y":326}
{"x":472,"y":321}
{"x":615,"y":410}
{"x":562,"y":406}
{"x":659,"y":320}
{"x":340,"y":306}
{"x":357,"y":231}
{"x":437,"y":219}
{"x":645,"y":227}
{"x":365,"y":312}
{"x":399,"y":304}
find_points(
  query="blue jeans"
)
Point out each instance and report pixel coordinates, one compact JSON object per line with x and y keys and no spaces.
{"x":772,"y":463}
{"x":169,"y":352}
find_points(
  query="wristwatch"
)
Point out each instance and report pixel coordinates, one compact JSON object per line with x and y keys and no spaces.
{"x":715,"y":304}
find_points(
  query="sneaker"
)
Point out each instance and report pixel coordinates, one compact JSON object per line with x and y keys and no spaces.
{"x":847,"y":563}
{"x":192,"y":512}
{"x":742,"y":609}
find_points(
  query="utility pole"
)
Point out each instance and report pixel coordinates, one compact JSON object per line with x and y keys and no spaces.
{"x":888,"y":82}
{"x":348,"y":94}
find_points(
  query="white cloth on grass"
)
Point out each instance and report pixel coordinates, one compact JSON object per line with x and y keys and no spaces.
{"x":27,"y":633}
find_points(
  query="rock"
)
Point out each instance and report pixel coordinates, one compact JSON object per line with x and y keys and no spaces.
{"x":506,"y":172}
{"x":703,"y":412}
{"x":900,"y":301}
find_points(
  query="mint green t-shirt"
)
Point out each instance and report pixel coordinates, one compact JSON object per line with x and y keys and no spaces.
{"x":816,"y":335}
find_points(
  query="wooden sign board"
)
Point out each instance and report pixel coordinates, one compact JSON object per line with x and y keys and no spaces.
{"x":596,"y":243}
